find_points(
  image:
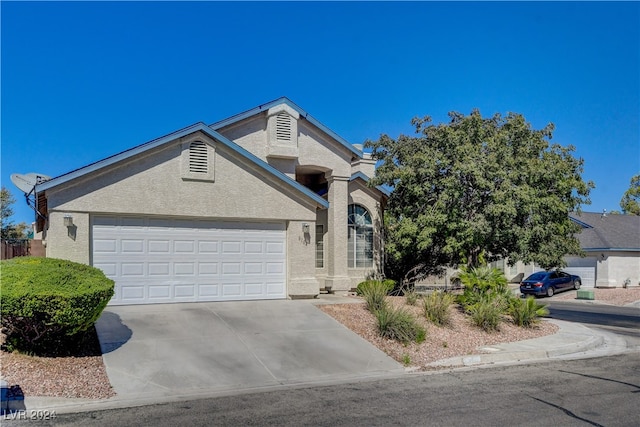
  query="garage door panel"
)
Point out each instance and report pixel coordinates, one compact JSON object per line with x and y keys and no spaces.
{"x":150,"y":258}
{"x":232,"y":290}
{"x":208,"y":246}
{"x":232,"y":247}
{"x":276,"y":248}
{"x":108,"y":246}
{"x":132,"y":293}
{"x":208,"y":290}
{"x":253,"y":268}
{"x":254,"y":289}
{"x":132,"y":269}
{"x":159,"y":291}
{"x":207,"y":268}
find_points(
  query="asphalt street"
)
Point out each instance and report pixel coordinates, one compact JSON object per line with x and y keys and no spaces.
{"x":595,"y":314}
{"x":589,"y":392}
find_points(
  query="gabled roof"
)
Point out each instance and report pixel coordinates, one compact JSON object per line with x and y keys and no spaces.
{"x":365,"y":178}
{"x":608,"y":232}
{"x":175,"y":135}
{"x":303,"y":114}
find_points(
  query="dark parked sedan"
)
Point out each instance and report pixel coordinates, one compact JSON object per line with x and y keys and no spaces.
{"x":549,"y":282}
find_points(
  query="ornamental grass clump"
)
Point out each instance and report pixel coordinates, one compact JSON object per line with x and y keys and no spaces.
{"x":436,"y":307}
{"x":487,"y":313}
{"x":400,"y":325}
{"x":411,"y":296}
{"x":527,"y":312}
{"x":374,"y":293}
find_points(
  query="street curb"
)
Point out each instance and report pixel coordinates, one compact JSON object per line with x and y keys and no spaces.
{"x":535,"y":349}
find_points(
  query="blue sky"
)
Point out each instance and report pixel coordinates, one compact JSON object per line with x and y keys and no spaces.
{"x":85,"y":80}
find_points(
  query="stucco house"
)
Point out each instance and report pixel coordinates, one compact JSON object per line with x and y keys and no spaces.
{"x":612,"y":252}
{"x":612,"y":247}
{"x":267,"y":204}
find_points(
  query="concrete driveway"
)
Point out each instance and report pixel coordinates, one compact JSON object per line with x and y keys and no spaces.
{"x":169,"y":350}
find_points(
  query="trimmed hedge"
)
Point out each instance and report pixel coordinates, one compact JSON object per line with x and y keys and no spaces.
{"x":45,"y":298}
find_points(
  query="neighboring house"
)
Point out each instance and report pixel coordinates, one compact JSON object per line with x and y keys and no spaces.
{"x":266,"y":204}
{"x":612,"y":246}
{"x":612,"y":252}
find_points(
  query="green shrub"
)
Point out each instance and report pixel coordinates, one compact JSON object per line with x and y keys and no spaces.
{"x":412,"y":296}
{"x":487,"y":313}
{"x":388,"y":284}
{"x":374,"y":294}
{"x":526,"y":312}
{"x":436,"y":307}
{"x":400,"y":325}
{"x":43,"y":299}
{"x":480,"y":283}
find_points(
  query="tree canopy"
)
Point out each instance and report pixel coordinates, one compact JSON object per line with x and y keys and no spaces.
{"x":478,"y":189}
{"x":9,"y":230}
{"x":630,"y":202}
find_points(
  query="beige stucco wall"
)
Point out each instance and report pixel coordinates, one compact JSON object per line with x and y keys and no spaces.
{"x":616,"y":267}
{"x":72,"y":243}
{"x":315,"y":148}
{"x":301,"y":272}
{"x":152,"y":185}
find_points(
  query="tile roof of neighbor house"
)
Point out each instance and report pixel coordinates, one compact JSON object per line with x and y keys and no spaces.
{"x":170,"y":137}
{"x":608,"y":232}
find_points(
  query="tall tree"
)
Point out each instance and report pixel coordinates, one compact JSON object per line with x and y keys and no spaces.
{"x":9,"y":230}
{"x":478,"y":189}
{"x":630,"y":202}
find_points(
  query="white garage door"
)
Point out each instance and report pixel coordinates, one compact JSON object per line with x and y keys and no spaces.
{"x":583,"y":267}
{"x":587,"y":274}
{"x":175,"y":260}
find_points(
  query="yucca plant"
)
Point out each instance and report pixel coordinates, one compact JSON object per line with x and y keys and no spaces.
{"x":526,"y":312}
{"x":400,"y":325}
{"x":436,"y":307}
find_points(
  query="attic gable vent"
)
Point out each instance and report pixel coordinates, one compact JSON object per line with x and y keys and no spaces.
{"x":282,"y":132}
{"x":198,"y":157}
{"x":283,"y":127}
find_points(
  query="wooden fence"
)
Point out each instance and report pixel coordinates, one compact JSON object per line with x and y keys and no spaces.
{"x":14,"y":247}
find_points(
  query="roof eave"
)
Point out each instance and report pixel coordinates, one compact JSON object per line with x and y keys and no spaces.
{"x":365,"y":178}
{"x":175,"y":135}
{"x":284,"y":100}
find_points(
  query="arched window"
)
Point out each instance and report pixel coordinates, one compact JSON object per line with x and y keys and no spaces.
{"x":360,"y":250}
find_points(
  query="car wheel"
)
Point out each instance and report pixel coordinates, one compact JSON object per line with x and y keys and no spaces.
{"x":576,"y":284}
{"x":550,"y":291}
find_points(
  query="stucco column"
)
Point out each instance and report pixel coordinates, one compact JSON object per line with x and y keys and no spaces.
{"x":603,"y":273}
{"x":337,"y":270}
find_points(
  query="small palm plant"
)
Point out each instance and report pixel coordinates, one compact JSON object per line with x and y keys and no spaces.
{"x":527,"y":312}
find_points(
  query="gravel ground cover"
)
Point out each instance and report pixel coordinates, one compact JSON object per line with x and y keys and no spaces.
{"x":85,"y":376}
{"x":459,"y":338}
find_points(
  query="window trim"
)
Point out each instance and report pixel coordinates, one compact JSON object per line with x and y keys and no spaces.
{"x":319,"y":246}
{"x":362,"y":233}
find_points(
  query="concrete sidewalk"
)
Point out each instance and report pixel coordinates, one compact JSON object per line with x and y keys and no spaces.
{"x":176,"y":352}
